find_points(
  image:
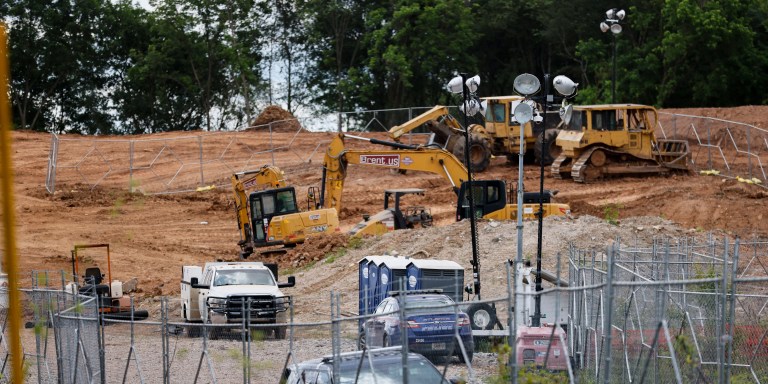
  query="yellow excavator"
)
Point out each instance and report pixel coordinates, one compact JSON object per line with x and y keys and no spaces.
{"x":499,"y":136}
{"x":271,"y":216}
{"x":615,"y":140}
{"x":490,"y":196}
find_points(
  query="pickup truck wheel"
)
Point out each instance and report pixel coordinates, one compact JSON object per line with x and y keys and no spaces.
{"x":193,"y":330}
{"x":213,"y":332}
{"x":361,"y":340}
{"x":280,"y":333}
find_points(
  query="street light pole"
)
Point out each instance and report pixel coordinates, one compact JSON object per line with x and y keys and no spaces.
{"x":536,"y":320}
{"x":613,"y":74}
{"x":613,"y":17}
{"x":528,"y":85}
{"x":470,"y":192}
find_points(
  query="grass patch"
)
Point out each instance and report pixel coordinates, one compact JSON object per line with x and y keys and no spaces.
{"x":352,"y":243}
{"x":611,"y":213}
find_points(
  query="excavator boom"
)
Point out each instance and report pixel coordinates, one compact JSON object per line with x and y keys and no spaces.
{"x":412,"y":158}
{"x":438,"y":112}
{"x":426,"y":159}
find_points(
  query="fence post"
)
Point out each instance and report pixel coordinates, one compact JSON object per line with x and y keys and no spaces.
{"x":722,"y":378}
{"x":336,"y":375}
{"x":403,"y":332}
{"x":749,"y":151}
{"x":200,"y":149}
{"x":512,"y":323}
{"x":130,"y":166}
{"x":164,"y":338}
{"x":53,"y":156}
{"x":608,"y":327}
{"x":272,"y":146}
{"x":709,"y":145}
{"x":732,"y":321}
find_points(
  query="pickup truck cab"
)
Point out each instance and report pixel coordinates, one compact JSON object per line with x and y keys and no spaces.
{"x":228,"y":292}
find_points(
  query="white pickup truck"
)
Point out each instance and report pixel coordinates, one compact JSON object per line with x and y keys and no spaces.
{"x":228,"y":292}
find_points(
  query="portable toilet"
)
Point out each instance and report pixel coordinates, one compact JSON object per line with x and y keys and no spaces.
{"x":392,"y":271}
{"x":367,"y":279}
{"x":437,"y":274}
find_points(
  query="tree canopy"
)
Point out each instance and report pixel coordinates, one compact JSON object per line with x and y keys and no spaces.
{"x":112,"y":67}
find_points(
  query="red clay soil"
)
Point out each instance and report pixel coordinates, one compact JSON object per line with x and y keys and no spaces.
{"x":152,"y":236}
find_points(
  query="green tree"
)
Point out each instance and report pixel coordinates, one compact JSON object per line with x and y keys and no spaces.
{"x":200,"y":68}
{"x":711,"y":54}
{"x":415,"y":48}
{"x":59,"y":65}
{"x":336,"y":51}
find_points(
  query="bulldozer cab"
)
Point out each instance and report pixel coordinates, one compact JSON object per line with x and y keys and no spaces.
{"x":267,"y":204}
{"x":488,"y":195}
{"x":631,"y":117}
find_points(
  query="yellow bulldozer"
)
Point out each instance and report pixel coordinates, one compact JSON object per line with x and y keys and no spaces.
{"x":499,"y":136}
{"x":271,"y":216}
{"x":615,"y":140}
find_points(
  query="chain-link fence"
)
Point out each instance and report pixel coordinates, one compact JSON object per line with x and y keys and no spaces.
{"x":179,"y":164}
{"x":673,"y":311}
{"x":720,"y":147}
{"x":677,"y":311}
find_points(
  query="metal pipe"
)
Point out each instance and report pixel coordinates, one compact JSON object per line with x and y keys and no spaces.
{"x":536,"y":321}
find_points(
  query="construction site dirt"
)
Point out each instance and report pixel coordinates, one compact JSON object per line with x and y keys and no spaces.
{"x":153,"y":235}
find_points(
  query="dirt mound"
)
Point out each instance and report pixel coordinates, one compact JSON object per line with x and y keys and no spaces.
{"x":308,"y":253}
{"x":277,"y":118}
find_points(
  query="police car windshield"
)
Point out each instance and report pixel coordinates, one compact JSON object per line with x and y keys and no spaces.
{"x":243,"y":277}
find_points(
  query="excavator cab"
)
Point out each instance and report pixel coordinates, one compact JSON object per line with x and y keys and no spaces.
{"x":267,"y":204}
{"x":488,"y":195}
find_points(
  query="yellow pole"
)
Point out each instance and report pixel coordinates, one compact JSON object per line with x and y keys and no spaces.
{"x":9,"y":222}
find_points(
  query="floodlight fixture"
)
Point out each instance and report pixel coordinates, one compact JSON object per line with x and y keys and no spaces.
{"x":566,"y":112}
{"x":483,"y":107}
{"x":472,"y":83}
{"x":455,"y":85}
{"x":473,"y":107}
{"x":564,"y":85}
{"x":523,"y":113}
{"x":526,"y":84}
{"x":612,"y":23}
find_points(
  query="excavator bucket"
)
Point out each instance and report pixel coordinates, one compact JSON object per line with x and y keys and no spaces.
{"x":673,"y":154}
